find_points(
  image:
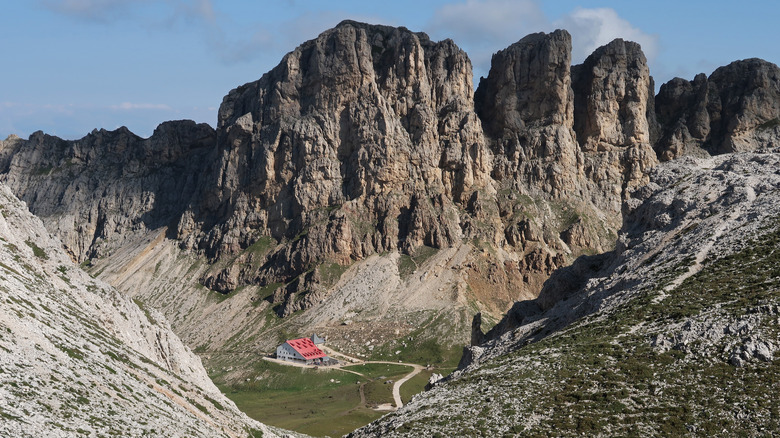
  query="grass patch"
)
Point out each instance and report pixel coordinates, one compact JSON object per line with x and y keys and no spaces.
{"x":379,"y":392}
{"x":37,"y":251}
{"x":375,"y":370}
{"x":264,"y":294}
{"x":10,"y":269}
{"x":408,"y":264}
{"x":769,"y":124}
{"x":262,"y":245}
{"x":300,"y":399}
{"x":254,"y":433}
{"x":143,"y":308}
{"x":416,"y":384}
{"x":331,"y":272}
{"x":73,"y":353}
{"x":45,"y":170}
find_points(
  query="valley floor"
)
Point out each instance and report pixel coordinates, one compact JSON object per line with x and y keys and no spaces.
{"x":326,"y":401}
{"x":355,"y":361}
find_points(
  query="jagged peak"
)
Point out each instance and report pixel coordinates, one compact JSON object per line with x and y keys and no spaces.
{"x":745,"y":67}
{"x":378,"y":28}
{"x":535,"y":38}
{"x":618,"y":46}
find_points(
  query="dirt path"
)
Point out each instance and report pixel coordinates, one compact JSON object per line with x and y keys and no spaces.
{"x":397,"y":385}
{"x":333,"y":352}
{"x":355,"y":361}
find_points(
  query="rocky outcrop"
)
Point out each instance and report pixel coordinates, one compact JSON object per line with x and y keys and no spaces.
{"x":736,"y":109}
{"x":576,"y":138}
{"x":81,"y":358}
{"x":613,"y":114}
{"x":358,"y":142}
{"x":527,"y":107}
{"x":570,"y":132}
{"x":93,"y":192}
{"x":362,"y":140}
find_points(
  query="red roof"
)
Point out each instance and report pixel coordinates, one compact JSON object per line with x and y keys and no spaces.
{"x":306,"y":348}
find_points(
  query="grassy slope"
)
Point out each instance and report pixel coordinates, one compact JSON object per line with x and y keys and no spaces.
{"x":600,"y":377}
{"x":416,"y":384}
{"x":306,"y":400}
{"x":422,"y":346}
{"x":302,"y":399}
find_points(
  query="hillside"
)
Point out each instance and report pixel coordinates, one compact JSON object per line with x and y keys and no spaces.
{"x":674,"y":332}
{"x":79,"y":358}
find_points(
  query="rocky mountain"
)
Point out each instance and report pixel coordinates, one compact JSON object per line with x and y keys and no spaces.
{"x":363,"y":189}
{"x":79,"y":358}
{"x":98,"y":192}
{"x":675,"y":332}
{"x":570,"y":132}
{"x":735,"y":109}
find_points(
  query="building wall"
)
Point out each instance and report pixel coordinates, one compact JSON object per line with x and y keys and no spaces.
{"x":286,"y":352}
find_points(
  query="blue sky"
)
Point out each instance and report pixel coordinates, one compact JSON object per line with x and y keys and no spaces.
{"x":70,"y":66}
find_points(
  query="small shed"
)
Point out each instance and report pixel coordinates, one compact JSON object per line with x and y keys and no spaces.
{"x":317,"y":339}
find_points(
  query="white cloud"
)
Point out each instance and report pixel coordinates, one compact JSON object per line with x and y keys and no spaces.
{"x":593,"y":28}
{"x":482,"y":27}
{"x":128,"y":106}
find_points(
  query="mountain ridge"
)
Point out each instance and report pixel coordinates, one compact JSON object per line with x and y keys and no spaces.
{"x":363,"y":185}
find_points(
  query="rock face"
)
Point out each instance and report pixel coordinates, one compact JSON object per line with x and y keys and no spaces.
{"x":613,"y":114}
{"x":736,"y":109}
{"x":689,"y":295}
{"x":572,"y":133}
{"x":527,"y":106}
{"x":95,"y":192}
{"x":81,"y":358}
{"x":363,"y":140}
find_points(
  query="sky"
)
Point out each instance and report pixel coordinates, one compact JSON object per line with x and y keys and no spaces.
{"x":71,"y":66}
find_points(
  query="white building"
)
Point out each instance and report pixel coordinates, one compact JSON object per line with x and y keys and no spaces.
{"x":300,"y":350}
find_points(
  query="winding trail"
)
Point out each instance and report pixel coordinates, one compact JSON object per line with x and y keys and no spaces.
{"x":704,"y":251}
{"x":397,"y":385}
{"x":355,"y":361}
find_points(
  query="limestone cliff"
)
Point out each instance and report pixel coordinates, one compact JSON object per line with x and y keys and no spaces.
{"x":735,"y":109}
{"x":94,"y":192}
{"x":613,"y":114}
{"x":577,"y":135}
{"x":362,"y":140}
{"x":527,"y":106}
